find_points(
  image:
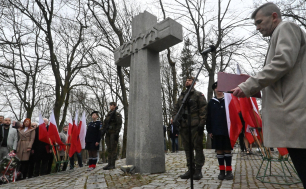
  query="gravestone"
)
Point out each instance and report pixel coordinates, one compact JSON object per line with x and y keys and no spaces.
{"x":145,"y":138}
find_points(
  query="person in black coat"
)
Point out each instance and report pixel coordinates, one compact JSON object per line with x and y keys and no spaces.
{"x":174,"y":136}
{"x":92,"y":140}
{"x":41,"y":154}
{"x":216,"y":125}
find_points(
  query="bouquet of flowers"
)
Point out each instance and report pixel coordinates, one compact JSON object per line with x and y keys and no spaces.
{"x":8,"y":168}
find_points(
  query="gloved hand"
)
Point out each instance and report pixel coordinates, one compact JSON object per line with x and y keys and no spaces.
{"x":200,"y":129}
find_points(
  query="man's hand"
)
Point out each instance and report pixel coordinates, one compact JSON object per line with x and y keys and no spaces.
{"x":211,"y":135}
{"x":238,"y":92}
{"x":97,"y":143}
{"x":29,"y":149}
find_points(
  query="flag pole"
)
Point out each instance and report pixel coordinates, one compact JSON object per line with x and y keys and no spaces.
{"x":57,"y":152}
{"x":53,"y":149}
{"x":260,"y":133}
{"x":69,"y":146}
{"x":256,"y":139}
{"x":65,"y":152}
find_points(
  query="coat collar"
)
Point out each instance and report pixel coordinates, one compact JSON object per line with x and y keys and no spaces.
{"x":215,"y":99}
{"x":21,"y":132}
{"x":184,"y":92}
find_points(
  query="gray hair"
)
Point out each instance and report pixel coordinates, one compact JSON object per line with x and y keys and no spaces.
{"x":267,"y":9}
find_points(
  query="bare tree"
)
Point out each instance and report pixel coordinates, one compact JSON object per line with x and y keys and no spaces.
{"x":171,"y":63}
{"x":294,"y":10}
{"x":217,"y":29}
{"x":113,"y":25}
{"x":66,"y":40}
{"x":21,"y":68}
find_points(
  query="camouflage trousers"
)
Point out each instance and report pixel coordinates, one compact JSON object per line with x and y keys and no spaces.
{"x":197,"y":145}
{"x":111,"y":140}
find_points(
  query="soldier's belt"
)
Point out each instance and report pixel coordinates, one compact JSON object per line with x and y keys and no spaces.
{"x":193,"y":115}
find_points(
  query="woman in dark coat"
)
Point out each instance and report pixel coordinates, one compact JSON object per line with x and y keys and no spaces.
{"x":216,"y":125}
{"x":92,"y":140}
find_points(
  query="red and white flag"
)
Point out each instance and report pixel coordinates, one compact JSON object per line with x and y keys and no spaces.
{"x":69,"y":127}
{"x":82,"y":130}
{"x":251,"y":117}
{"x":53,"y":133}
{"x":75,"y":143}
{"x":42,"y":130}
{"x":234,"y":124}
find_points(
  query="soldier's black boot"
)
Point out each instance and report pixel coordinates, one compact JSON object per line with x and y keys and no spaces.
{"x":221,"y":176}
{"x":109,"y":167}
{"x":197,"y":174}
{"x":186,"y":175}
{"x":109,"y":163}
{"x":106,"y":167}
{"x":112,"y":165}
{"x":229,"y":175}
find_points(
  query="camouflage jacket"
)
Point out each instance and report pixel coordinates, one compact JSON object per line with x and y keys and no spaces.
{"x":114,"y":124}
{"x":197,"y":108}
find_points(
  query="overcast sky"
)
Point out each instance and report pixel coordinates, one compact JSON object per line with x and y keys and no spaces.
{"x":243,"y":7}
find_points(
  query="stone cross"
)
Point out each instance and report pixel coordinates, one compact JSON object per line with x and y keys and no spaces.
{"x":145,"y":138}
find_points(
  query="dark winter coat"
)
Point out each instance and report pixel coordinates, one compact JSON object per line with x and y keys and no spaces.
{"x":216,"y":117}
{"x":39,"y":147}
{"x":197,"y":108}
{"x":93,"y":133}
{"x":173,"y":131}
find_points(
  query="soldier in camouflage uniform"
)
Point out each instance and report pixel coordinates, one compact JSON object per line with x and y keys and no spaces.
{"x":112,"y":134}
{"x":198,"y":118}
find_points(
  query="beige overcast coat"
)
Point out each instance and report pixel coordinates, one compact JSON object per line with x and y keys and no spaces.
{"x":283,"y":83}
{"x":25,"y":142}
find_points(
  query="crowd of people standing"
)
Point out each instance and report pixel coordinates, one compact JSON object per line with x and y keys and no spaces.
{"x":37,"y":157}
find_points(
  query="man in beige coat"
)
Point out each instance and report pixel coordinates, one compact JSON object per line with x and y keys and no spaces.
{"x":283,"y":83}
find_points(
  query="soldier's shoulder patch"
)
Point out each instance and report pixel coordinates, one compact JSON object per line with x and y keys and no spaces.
{"x":199,"y":93}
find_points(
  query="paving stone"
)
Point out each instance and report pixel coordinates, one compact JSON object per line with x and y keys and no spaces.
{"x":245,"y":168}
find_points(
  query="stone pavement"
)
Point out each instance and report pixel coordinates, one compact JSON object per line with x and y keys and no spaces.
{"x":244,"y":167}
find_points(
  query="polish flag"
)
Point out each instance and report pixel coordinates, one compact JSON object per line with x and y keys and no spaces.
{"x":234,"y":124}
{"x":250,"y":114}
{"x":255,"y":118}
{"x":248,"y":134}
{"x":70,"y":126}
{"x":75,"y":143}
{"x":53,"y":133}
{"x":43,"y":133}
{"x":82,"y":130}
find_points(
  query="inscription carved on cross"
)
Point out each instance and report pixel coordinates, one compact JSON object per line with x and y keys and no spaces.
{"x":146,"y":33}
{"x":145,"y":139}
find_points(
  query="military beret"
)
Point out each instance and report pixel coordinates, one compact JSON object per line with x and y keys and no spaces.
{"x":190,"y":77}
{"x":214,"y":86}
{"x":95,"y":112}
